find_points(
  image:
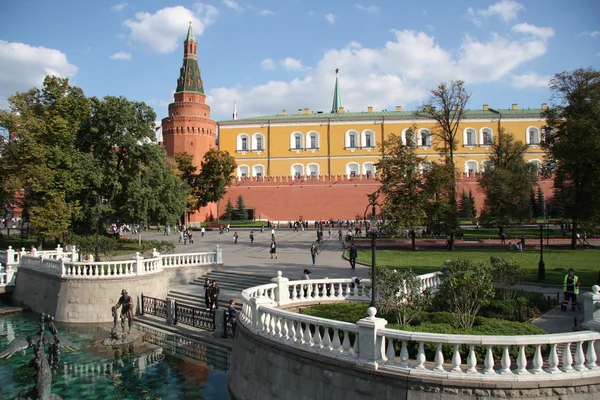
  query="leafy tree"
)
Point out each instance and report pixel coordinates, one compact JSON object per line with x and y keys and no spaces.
{"x":471,"y":209}
{"x":533,"y":203}
{"x":572,"y":140}
{"x":507,"y":274}
{"x":400,"y":293}
{"x":540,"y":203}
{"x":240,"y":208}
{"x":188,"y":174}
{"x":466,"y":287}
{"x":216,"y":172}
{"x":466,"y":206}
{"x":446,"y":106}
{"x":507,"y":182}
{"x":438,"y":190}
{"x":229,"y":210}
{"x":403,"y":206}
{"x":556,"y":207}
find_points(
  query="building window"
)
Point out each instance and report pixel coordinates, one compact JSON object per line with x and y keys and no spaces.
{"x":297,"y":171}
{"x":259,"y":143}
{"x":243,"y":171}
{"x":487,"y":138}
{"x":352,"y":140}
{"x":408,"y":138}
{"x":425,"y":138}
{"x":533,"y":136}
{"x":296,"y":139}
{"x":368,"y":139}
{"x":312,"y":170}
{"x":352,"y":170}
{"x":485,"y":165}
{"x":537,"y":165}
{"x":369,"y":169}
{"x":314,"y":141}
{"x":258,"y":170}
{"x":471,"y":168}
{"x":298,"y":143}
{"x":244,"y":143}
{"x":470,"y":137}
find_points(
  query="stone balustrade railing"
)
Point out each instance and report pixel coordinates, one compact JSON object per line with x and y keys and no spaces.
{"x":63,"y":266}
{"x":368,"y":343}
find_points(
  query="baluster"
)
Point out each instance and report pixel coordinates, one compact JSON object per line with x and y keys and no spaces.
{"x":326,"y":339}
{"x":579,"y":357}
{"x":317,"y":338}
{"x":488,"y":363}
{"x":567,"y":358}
{"x":272,"y":295}
{"x":277,"y":326}
{"x":439,"y":358}
{"x":298,"y":338}
{"x":590,"y":355}
{"x":346,"y":343}
{"x":307,"y":335}
{"x":263,"y":320}
{"x":355,"y":347}
{"x":537,"y":360}
{"x":553,"y":360}
{"x":421,"y":356}
{"x":404,"y":354}
{"x":391,"y":351}
{"x":456,"y":360}
{"x":472,"y":360}
{"x":521,"y":361}
{"x":336,"y":340}
{"x":286,"y":328}
{"x":505,"y":362}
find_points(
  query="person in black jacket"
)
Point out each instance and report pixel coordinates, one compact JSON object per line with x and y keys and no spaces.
{"x":207,"y":293}
{"x":352,"y":256}
{"x":214,"y":295}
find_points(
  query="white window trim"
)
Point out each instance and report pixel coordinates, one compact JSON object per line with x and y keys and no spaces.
{"x":347,"y":140}
{"x":364,"y":168}
{"x":466,"y":137}
{"x":363,"y":139}
{"x":255,"y":144}
{"x":239,"y":142}
{"x":293,"y":140}
{"x":293,"y":173}
{"x":348,"y":172}
{"x":313,"y":164}
{"x":481,"y":143}
{"x":536,"y":160}
{"x":484,"y":163}
{"x":467,"y":167}
{"x":404,"y":143}
{"x":420,"y":137}
{"x":239,"y":171}
{"x":528,"y":140}
{"x":254,"y":169}
{"x":308,"y":135}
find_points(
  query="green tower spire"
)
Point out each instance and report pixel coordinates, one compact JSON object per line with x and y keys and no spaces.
{"x":189,"y":75}
{"x":337,"y":96}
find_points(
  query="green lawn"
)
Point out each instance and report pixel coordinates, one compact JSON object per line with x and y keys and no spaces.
{"x":511,"y":234}
{"x":585,"y":262}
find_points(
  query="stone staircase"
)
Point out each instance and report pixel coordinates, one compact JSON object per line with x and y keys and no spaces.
{"x":231,"y":284}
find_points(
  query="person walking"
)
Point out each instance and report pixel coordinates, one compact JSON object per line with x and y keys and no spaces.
{"x":571,"y":290}
{"x":202,"y":232}
{"x":251,"y":236}
{"x":306,"y":275}
{"x":214,"y":295}
{"x":352,"y":254}
{"x":313,"y":253}
{"x":235,"y":237}
{"x":232,"y":314}
{"x":207,"y":293}
{"x":273,"y":250}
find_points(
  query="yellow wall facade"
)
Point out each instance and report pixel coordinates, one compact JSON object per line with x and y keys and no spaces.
{"x":324,"y":145}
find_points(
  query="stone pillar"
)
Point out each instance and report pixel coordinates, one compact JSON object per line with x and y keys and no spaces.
{"x":59,"y":252}
{"x":591,"y":309}
{"x":282,"y":295}
{"x":219,"y":255}
{"x":370,"y":346}
{"x":171,"y":312}
{"x":255,"y":303}
{"x":75,"y":254}
{"x":139,"y":264}
{"x":219,"y":331}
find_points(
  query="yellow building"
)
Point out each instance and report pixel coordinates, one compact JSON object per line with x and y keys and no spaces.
{"x":309,"y":143}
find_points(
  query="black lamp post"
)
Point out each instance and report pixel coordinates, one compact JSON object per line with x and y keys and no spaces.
{"x":373,"y":234}
{"x":541,"y":265}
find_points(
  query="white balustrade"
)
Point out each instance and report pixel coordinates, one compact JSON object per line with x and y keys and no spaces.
{"x":180,"y":260}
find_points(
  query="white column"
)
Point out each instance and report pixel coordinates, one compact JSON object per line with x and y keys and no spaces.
{"x":255,"y":303}
{"x":591,"y":309}
{"x":371,"y":346}
{"x":59,"y":252}
{"x":282,"y":294}
{"x":139,"y":263}
{"x":219,"y":255}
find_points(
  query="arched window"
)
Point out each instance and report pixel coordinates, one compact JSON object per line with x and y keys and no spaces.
{"x":485,"y":165}
{"x":352,"y":169}
{"x":368,"y":139}
{"x":296,"y":139}
{"x":312,"y":140}
{"x":424,"y":138}
{"x":537,"y":164}
{"x":243,"y":171}
{"x":312,"y":170}
{"x":243,"y":142}
{"x":351,"y":140}
{"x":369,"y":169}
{"x":258,"y":142}
{"x":470,"y":137}
{"x":297,"y":171}
{"x":258,"y":170}
{"x":424,"y":166}
{"x":533,"y":135}
{"x":408,"y":137}
{"x":471,"y":168}
{"x":487,"y":137}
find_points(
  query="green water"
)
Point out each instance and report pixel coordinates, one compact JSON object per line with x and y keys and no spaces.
{"x":158,"y":367}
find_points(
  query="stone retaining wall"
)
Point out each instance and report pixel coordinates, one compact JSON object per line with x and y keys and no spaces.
{"x":262,"y":369}
{"x":89,"y":301}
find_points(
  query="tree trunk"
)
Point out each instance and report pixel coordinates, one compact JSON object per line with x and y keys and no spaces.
{"x":413,"y":240}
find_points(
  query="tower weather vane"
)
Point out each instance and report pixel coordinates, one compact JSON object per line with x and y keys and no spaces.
{"x":337,"y":70}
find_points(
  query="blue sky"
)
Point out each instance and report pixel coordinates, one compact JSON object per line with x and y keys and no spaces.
{"x":271,"y":55}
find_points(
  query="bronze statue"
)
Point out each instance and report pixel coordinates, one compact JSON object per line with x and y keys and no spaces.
{"x":126,"y":304}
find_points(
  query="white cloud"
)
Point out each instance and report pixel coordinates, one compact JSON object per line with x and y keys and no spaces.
{"x":232,"y":4}
{"x":530,"y":79}
{"x":291,"y":64}
{"x":265,"y":13}
{"x":121,"y":55}
{"x":330,"y":18}
{"x":505,"y":9}
{"x":23,"y":66}
{"x":162,"y":31}
{"x":369,"y":9}
{"x":591,"y":34}
{"x":267,"y":64}
{"x":541,"y":32}
{"x":118,"y":7}
{"x":400,"y":72}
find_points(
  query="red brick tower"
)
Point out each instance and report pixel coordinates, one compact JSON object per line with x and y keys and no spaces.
{"x":189,"y":128}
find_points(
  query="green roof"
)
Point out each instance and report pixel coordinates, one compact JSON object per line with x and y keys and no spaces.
{"x":190,"y":34}
{"x":492,"y":113}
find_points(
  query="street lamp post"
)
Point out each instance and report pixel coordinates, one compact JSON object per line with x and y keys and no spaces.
{"x":541,"y":265}
{"x":373,"y":234}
